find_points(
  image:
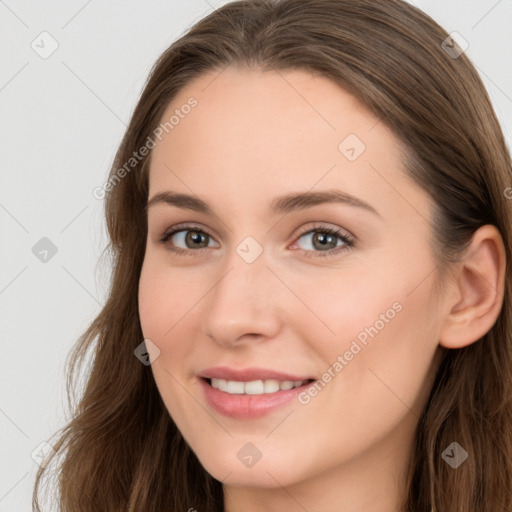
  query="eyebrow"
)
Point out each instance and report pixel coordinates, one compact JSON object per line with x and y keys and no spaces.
{"x":282,"y":204}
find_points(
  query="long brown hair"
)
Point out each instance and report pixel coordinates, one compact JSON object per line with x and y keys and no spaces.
{"x":121,"y":451}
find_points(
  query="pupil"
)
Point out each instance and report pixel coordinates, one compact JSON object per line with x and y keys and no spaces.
{"x":323,"y":239}
{"x":195,"y":237}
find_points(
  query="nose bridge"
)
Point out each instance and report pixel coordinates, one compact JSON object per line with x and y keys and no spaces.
{"x":244,"y":299}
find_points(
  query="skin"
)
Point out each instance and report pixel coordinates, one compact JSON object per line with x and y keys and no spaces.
{"x":254,"y":136}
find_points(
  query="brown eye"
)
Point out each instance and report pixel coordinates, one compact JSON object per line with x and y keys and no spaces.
{"x":196,"y":238}
{"x":324,"y":241}
{"x":186,"y":238}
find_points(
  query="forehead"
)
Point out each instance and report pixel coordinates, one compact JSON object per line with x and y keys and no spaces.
{"x":248,"y":101}
{"x":256,"y":133}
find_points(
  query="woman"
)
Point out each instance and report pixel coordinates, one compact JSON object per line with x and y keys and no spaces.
{"x":310,"y":304}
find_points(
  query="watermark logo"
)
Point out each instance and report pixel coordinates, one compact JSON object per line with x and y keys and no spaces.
{"x":41,"y":453}
{"x":249,"y":249}
{"x":45,"y":45}
{"x":249,"y":454}
{"x":352,"y":147}
{"x":454,"y":455}
{"x":147,"y":352}
{"x":44,"y":250}
{"x":454,"y":45}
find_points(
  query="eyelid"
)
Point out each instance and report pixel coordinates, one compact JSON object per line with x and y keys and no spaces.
{"x":184,"y":226}
{"x":324,"y":226}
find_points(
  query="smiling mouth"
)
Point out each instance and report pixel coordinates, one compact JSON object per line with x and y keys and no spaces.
{"x":255,"y":387}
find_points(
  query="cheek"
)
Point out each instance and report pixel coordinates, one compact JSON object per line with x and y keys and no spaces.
{"x":151,"y":292}
{"x":404,"y":349}
{"x":160,"y":308}
{"x":338,"y":307}
{"x":388,"y":352}
{"x":170,"y":312}
{"x":383,"y":322}
{"x":165,"y":296}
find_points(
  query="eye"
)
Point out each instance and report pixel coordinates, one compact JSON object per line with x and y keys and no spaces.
{"x":193,"y":238}
{"x":323,"y":241}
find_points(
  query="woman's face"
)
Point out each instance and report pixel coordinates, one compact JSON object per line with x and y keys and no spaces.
{"x":262,"y":282}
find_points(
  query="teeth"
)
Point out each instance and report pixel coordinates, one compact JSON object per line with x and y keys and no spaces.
{"x":234,"y":388}
{"x":271,"y":386}
{"x":255,"y":387}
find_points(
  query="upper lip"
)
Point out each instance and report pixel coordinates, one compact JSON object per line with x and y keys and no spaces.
{"x":247,"y":374}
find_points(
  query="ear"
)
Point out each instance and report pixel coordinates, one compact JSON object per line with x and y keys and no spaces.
{"x":478,"y":290}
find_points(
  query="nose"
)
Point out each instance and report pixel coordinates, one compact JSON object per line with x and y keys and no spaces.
{"x":245,"y":304}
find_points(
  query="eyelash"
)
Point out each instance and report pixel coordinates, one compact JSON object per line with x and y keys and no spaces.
{"x":347,"y":240}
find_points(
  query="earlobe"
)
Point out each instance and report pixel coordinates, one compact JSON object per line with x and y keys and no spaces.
{"x":479,"y":290}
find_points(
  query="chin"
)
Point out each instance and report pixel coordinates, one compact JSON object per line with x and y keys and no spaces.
{"x":268,"y":474}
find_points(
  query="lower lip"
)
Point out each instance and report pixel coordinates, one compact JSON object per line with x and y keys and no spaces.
{"x":248,"y":406}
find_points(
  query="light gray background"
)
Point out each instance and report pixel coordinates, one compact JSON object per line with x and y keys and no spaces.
{"x":63,"y":118}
